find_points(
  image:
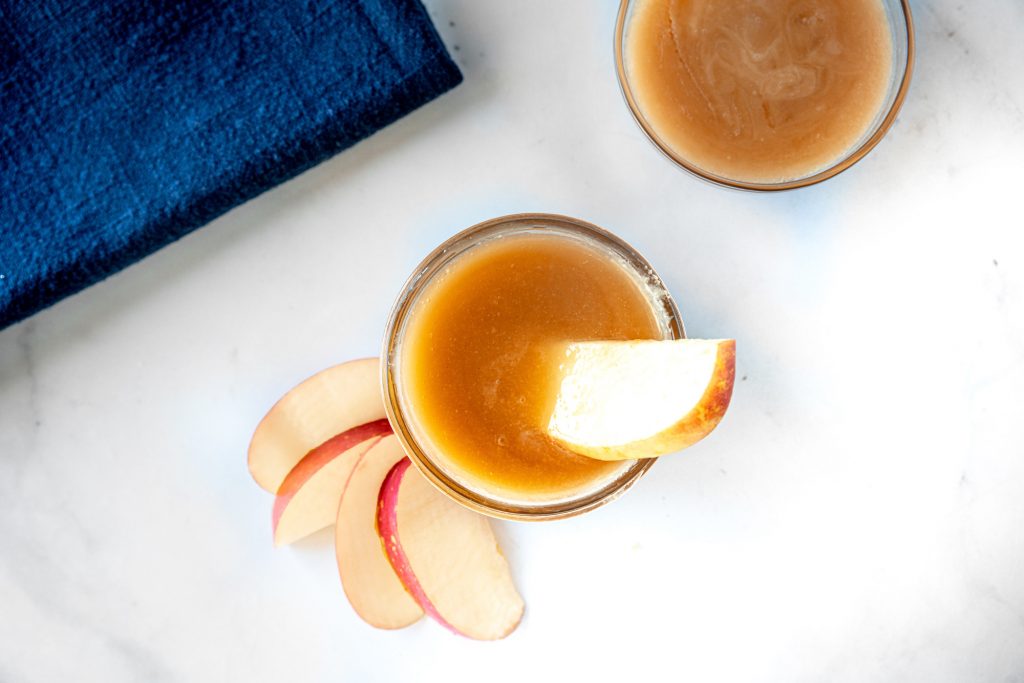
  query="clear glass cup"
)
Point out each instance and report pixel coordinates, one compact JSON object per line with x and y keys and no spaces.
{"x":901,"y":27}
{"x":434,"y":466}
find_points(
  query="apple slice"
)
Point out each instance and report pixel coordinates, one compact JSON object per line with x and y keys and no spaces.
{"x":326,"y":404}
{"x":447,"y":557}
{"x":371,"y":585}
{"x":308,"y":498}
{"x":621,"y":400}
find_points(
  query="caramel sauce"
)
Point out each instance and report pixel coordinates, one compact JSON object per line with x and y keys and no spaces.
{"x":477,"y":356}
{"x":759,"y":90}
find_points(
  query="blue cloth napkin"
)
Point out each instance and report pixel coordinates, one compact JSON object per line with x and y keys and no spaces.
{"x":125,"y":124}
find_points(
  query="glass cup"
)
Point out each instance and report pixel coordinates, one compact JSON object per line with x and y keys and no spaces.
{"x":901,"y":29}
{"x":401,"y":414}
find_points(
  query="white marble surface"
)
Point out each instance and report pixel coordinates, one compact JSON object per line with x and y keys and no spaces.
{"x":858,"y":517}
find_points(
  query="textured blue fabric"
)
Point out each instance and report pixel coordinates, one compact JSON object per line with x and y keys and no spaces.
{"x":125,"y":124}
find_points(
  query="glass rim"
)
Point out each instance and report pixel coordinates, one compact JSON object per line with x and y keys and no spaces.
{"x":845,"y":162}
{"x":421,"y":276}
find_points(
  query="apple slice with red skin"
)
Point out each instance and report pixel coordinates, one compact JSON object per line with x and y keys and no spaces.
{"x":371,"y":585}
{"x":308,"y":498}
{"x":447,"y":557}
{"x":620,"y":400}
{"x":326,"y":404}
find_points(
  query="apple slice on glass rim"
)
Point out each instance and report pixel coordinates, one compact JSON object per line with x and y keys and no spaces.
{"x":622,"y":400}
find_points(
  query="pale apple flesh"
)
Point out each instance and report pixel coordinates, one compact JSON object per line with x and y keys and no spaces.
{"x":308,"y":498}
{"x":447,"y":557}
{"x":373,"y":588}
{"x":623,"y":400}
{"x":324,"y":405}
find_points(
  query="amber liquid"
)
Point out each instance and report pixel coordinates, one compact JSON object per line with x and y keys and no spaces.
{"x":759,"y":90}
{"x":477,"y":356}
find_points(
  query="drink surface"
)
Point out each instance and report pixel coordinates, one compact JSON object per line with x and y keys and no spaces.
{"x":478,"y":357}
{"x":759,"y":90}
